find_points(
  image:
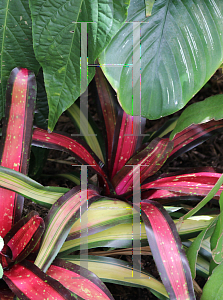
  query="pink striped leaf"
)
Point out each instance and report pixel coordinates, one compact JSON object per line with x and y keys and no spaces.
{"x":126,"y":139}
{"x":109,"y":109}
{"x":198,"y":184}
{"x":16,"y":138}
{"x":146,"y":162}
{"x":167,"y":251}
{"x":74,"y":146}
{"x":21,"y":239}
{"x":64,"y":212}
{"x":27,"y":281}
{"x":79,"y":280}
{"x":193,"y":136}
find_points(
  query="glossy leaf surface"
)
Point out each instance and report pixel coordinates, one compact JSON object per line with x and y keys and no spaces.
{"x":181,"y":47}
{"x":167,"y":251}
{"x":56,"y":35}
{"x":15,"y":144}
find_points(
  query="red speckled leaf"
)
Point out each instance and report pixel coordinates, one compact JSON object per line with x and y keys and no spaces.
{"x":126,"y":139}
{"x":22,"y":239}
{"x":62,"y":215}
{"x":148,"y":162}
{"x":193,"y":136}
{"x":108,"y":108}
{"x":16,"y":138}
{"x":74,"y":146}
{"x":27,"y":281}
{"x":167,"y":251}
{"x":71,"y":276}
{"x":198,"y":184}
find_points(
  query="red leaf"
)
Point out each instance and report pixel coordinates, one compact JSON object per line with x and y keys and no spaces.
{"x":126,"y":139}
{"x":167,"y":251}
{"x":27,"y":281}
{"x":193,"y":136}
{"x":147,"y":162}
{"x":71,"y":276}
{"x":22,"y":238}
{"x":109,"y":109}
{"x":198,"y":184}
{"x":16,"y":138}
{"x":59,"y":221}
{"x":74,"y":146}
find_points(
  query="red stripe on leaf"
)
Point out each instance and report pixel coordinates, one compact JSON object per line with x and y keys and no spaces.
{"x":22,"y":239}
{"x":27,"y":281}
{"x":198,"y":184}
{"x":167,"y":251}
{"x":126,"y":140}
{"x":109,"y":109}
{"x":75,"y":147}
{"x":146,"y":163}
{"x":193,"y":133}
{"x":16,"y":138}
{"x":89,"y":287}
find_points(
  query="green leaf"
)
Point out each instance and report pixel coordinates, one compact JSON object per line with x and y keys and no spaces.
{"x":181,"y":47}
{"x":149,"y":7}
{"x":23,"y":185}
{"x":119,"y":272}
{"x":16,"y":47}
{"x":192,"y":251}
{"x":200,"y":112}
{"x":91,"y":133}
{"x":56,"y":36}
{"x":216,"y":238}
{"x":214,"y":286}
{"x":59,"y":221}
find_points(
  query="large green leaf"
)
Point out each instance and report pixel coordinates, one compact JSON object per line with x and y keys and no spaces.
{"x":16,"y":48}
{"x":181,"y":47}
{"x":56,"y":35}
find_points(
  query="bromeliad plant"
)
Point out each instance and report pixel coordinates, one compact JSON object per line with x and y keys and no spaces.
{"x":21,"y":236}
{"x":110,"y":212}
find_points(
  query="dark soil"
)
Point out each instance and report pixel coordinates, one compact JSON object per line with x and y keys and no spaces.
{"x":210,"y":153}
